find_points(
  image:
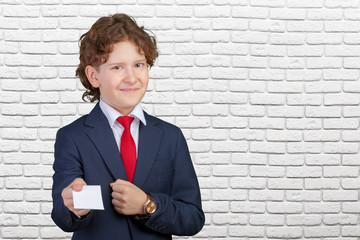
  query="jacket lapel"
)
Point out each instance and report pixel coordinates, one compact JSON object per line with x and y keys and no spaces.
{"x":102,"y":136}
{"x":149,"y":142}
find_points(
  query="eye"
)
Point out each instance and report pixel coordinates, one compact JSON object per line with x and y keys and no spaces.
{"x":117,"y":67}
{"x":139,"y":65}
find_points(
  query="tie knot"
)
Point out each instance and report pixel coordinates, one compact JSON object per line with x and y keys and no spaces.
{"x":125,"y":121}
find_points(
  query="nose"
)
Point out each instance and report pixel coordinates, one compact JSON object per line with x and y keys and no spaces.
{"x":130,"y":77}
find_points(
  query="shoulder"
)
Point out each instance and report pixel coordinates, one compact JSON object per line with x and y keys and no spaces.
{"x":75,"y":126}
{"x":161,"y":123}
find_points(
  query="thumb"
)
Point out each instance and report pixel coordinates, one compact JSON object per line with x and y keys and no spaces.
{"x":118,"y":181}
{"x":78,"y":184}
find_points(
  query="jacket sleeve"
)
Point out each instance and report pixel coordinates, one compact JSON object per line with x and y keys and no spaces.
{"x":67,"y":167}
{"x":179,"y":213}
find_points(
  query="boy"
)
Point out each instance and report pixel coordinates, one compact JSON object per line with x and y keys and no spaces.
{"x":149,"y":186}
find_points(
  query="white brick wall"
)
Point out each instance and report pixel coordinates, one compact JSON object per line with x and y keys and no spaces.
{"x":267,"y":93}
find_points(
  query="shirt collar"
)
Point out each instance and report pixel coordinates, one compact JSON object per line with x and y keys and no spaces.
{"x":112,"y":114}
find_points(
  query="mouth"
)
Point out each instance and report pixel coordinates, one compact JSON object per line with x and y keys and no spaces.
{"x":129,"y":90}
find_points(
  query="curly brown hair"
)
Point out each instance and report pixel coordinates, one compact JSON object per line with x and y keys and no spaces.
{"x":97,"y":44}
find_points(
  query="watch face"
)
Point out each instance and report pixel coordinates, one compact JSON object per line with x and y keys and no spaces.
{"x":151,"y":207}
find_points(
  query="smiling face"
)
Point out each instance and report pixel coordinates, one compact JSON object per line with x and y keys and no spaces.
{"x":122,"y":79}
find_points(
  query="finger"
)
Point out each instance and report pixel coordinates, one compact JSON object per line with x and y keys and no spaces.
{"x":118,"y":181}
{"x":78,"y":184}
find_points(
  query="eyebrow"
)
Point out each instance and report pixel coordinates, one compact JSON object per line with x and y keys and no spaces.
{"x":120,"y":63}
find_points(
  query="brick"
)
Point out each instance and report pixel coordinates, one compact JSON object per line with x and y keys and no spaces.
{"x":285,"y":112}
{"x":269,"y":50}
{"x":10,"y":170}
{"x":324,"y":62}
{"x":249,"y":37}
{"x":170,"y":85}
{"x":232,"y":219}
{"x":207,"y":134}
{"x":213,"y":61}
{"x":247,"y":87}
{"x":287,"y":39}
{"x":190,"y":23}
{"x":53,"y":232}
{"x":319,"y":87}
{"x":191,"y":48}
{"x":59,"y":10}
{"x":11,"y":195}
{"x":267,"y":74}
{"x":212,"y":12}
{"x":22,"y":36}
{"x":302,"y":75}
{"x":350,"y":123}
{"x":266,"y":123}
{"x":303,"y":100}
{"x":307,"y":51}
{"x":9,"y":220}
{"x":266,"y":195}
{"x":303,"y":196}
{"x":247,"y":207}
{"x":341,"y":171}
{"x":324,"y":38}
{"x":267,"y":3}
{"x":247,"y":183}
{"x":323,"y":159}
{"x":230,"y":146}
{"x":21,"y":207}
{"x":322,"y":207}
{"x":350,"y":231}
{"x":267,"y":99}
{"x":204,"y":85}
{"x":266,"y":220}
{"x":207,"y":159}
{"x":248,"y":12}
{"x":304,"y":172}
{"x":192,"y":97}
{"x":346,"y":74}
{"x":287,"y":14}
{"x":38,"y":196}
{"x":8,"y":72}
{"x":284,"y":232}
{"x":229,"y":194}
{"x":322,"y":112}
{"x":213,"y":182}
{"x":325,"y":14}
{"x":244,"y":134}
{"x":303,"y":220}
{"x":322,"y":231}
{"x":260,"y":147}
{"x":38,"y":171}
{"x":22,"y":232}
{"x":266,"y":171}
{"x":322,"y":136}
{"x":23,"y":183}
{"x":215,"y":206}
{"x":209,"y":110}
{"x":247,"y":111}
{"x":217,"y":231}
{"x":286,"y":160}
{"x":267,"y":25}
{"x":275,"y":183}
{"x":251,"y":231}
{"x":229,"y":24}
{"x":341,"y":148}
{"x":38,"y":72}
{"x":248,"y":158}
{"x":19,"y":134}
{"x":350,"y":160}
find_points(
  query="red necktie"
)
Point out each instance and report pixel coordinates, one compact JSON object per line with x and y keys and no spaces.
{"x":127,"y":147}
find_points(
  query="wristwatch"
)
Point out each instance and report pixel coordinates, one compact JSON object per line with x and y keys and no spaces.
{"x":150,"y":205}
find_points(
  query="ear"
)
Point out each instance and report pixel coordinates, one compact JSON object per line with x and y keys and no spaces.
{"x":91,"y":72}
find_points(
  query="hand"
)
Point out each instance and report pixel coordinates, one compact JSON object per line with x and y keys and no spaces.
{"x":67,"y":196}
{"x":128,"y":199}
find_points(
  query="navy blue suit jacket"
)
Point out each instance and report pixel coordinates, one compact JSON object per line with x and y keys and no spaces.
{"x":87,"y":149}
